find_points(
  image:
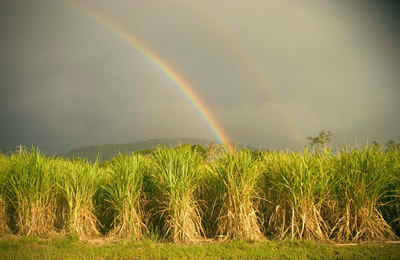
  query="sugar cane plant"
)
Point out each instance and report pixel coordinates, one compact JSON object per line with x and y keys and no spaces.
{"x":187,"y":195}
{"x":4,"y":169}
{"x":236,"y":178}
{"x":297,"y":188}
{"x":78,"y":183}
{"x":177,"y":176}
{"x":123,"y":189}
{"x":31,"y":191}
{"x":363,"y":177}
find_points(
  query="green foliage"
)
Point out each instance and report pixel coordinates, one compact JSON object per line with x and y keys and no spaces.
{"x":185,"y":195}
{"x":78,"y":183}
{"x":30,"y":190}
{"x":177,"y":176}
{"x":4,"y":169}
{"x":362,"y":178}
{"x":236,"y":177}
{"x":123,"y":188}
{"x":297,"y":186}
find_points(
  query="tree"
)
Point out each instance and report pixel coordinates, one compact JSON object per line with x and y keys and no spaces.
{"x":200,"y":150}
{"x":387,"y":147}
{"x":321,"y":141}
{"x":391,"y":145}
{"x":376,"y":144}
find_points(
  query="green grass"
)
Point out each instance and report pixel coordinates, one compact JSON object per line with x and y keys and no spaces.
{"x":72,"y":248}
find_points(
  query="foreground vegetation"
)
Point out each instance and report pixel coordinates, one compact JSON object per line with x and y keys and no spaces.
{"x":193,"y":196}
{"x":72,"y":248}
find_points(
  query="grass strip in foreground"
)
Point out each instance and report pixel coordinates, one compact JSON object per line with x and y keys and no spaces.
{"x":72,"y":248}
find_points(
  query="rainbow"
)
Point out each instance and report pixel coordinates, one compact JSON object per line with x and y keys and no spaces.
{"x":165,"y":68}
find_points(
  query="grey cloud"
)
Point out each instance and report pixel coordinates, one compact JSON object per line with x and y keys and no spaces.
{"x":67,"y":80}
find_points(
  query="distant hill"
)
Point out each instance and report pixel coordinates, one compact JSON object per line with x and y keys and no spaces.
{"x":108,"y":151}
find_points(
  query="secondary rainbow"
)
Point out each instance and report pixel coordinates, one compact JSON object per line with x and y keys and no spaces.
{"x":242,"y":53}
{"x":165,"y":68}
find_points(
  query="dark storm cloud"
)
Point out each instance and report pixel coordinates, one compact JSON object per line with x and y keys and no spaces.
{"x":267,"y":70}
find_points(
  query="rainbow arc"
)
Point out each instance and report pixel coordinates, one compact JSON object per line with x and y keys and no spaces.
{"x":178,"y":80}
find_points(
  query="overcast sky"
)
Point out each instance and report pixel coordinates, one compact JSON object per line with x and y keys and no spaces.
{"x":272,"y":72}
